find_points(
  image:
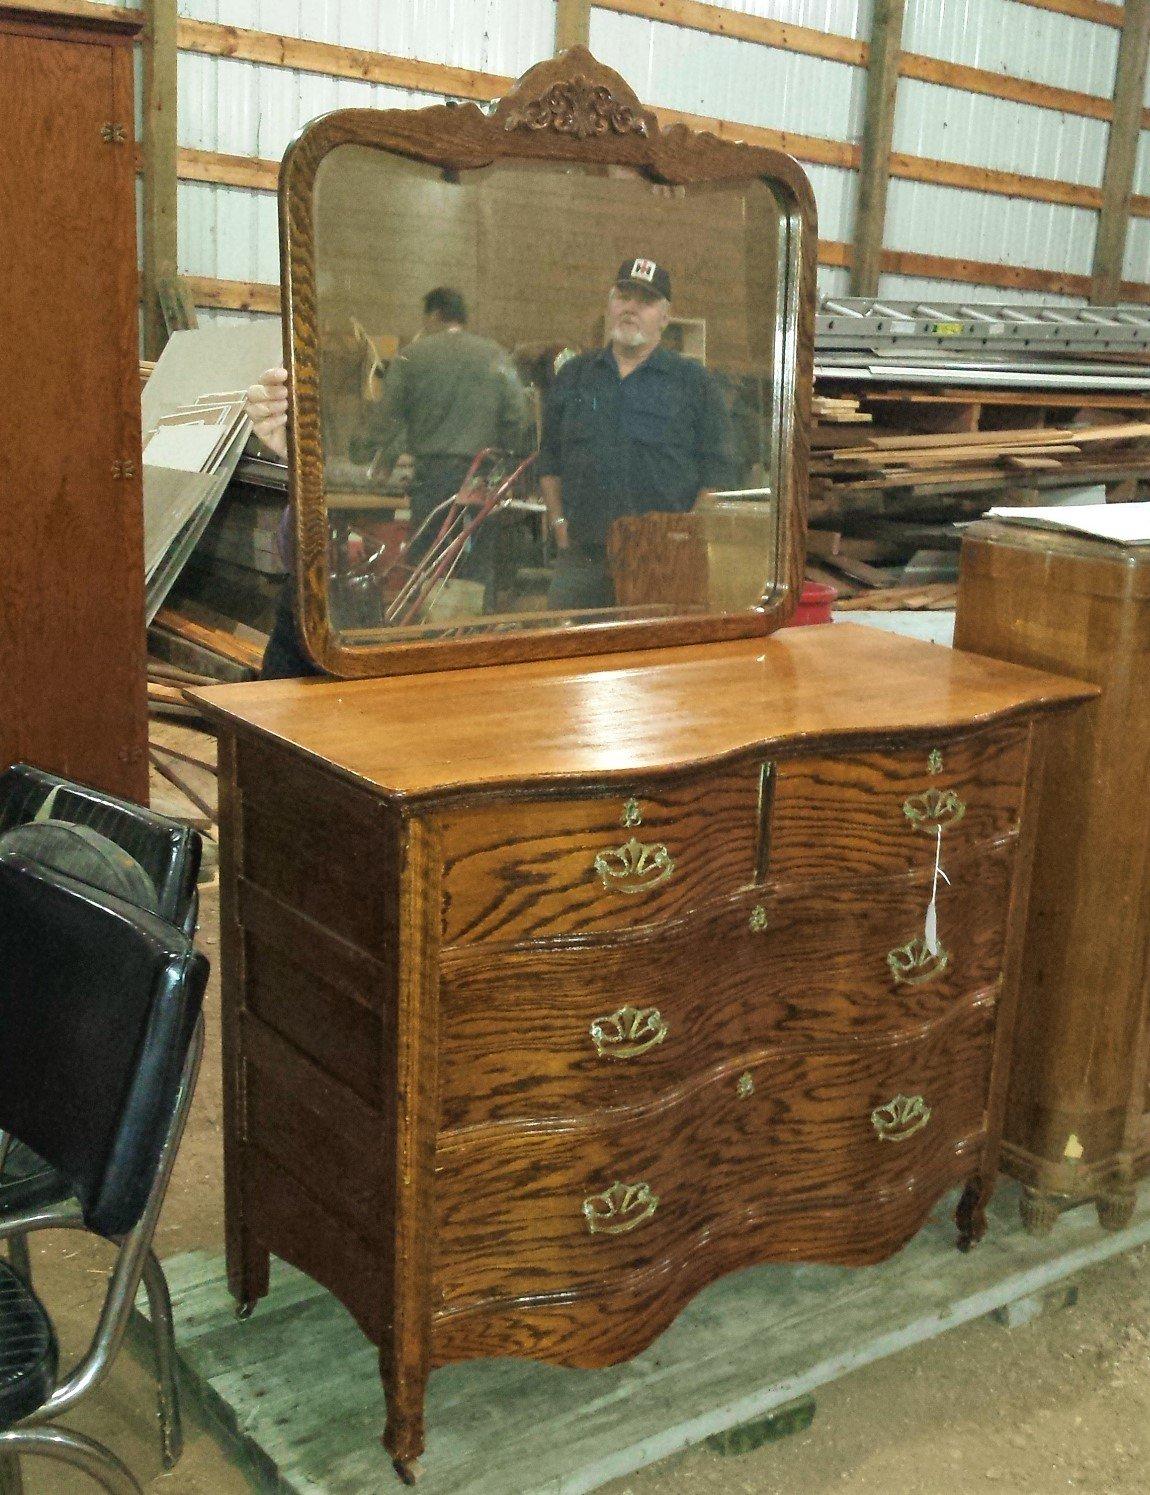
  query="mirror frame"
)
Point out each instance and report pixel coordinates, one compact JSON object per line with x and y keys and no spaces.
{"x":570,"y":108}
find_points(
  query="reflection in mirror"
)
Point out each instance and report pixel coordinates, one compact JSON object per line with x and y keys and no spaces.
{"x":510,"y":438}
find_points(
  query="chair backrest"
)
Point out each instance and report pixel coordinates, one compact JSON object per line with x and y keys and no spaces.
{"x":168,"y":851}
{"x":98,"y":1001}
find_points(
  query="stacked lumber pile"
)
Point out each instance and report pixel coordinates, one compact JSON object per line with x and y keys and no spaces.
{"x":932,"y":462}
{"x":884,"y":500}
{"x":194,"y":641}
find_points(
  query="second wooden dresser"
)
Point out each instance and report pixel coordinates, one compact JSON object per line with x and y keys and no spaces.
{"x":556,"y":991}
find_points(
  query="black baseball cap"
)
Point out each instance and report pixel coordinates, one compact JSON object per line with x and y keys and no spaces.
{"x":645,"y":273}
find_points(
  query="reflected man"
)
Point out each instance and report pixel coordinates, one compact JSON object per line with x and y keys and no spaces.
{"x":632,"y":428}
{"x":448,"y":395}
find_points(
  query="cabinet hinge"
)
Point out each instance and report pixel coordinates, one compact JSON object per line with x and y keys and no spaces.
{"x":125,"y":469}
{"x":113,"y":134}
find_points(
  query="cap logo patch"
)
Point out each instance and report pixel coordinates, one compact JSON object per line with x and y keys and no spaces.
{"x":643,"y":270}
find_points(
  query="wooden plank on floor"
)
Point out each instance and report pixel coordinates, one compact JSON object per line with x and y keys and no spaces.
{"x":297,"y":1384}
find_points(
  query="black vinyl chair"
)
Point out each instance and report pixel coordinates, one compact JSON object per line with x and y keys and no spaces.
{"x":79,"y":830}
{"x":100,"y":1039}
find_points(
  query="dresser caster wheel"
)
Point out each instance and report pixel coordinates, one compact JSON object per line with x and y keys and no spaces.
{"x":1039,"y":1212}
{"x":407,"y":1469}
{"x":245,"y":1309}
{"x":1116,"y":1209}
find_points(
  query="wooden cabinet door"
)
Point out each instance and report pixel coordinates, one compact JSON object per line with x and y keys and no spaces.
{"x":72,"y":678}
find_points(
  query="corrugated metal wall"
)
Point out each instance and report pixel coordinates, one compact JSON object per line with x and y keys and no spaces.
{"x":750,"y":84}
{"x":248,"y":109}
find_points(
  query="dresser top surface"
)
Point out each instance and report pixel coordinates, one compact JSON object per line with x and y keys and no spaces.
{"x":418,"y":735}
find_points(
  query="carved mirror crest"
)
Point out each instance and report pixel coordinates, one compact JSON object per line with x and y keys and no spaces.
{"x":552,"y":368}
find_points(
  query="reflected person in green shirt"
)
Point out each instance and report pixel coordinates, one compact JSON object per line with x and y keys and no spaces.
{"x":447,"y":395}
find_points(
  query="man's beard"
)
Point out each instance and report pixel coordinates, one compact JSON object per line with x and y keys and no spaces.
{"x":628,"y":337}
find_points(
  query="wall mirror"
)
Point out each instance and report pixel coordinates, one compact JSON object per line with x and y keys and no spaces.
{"x":421,"y":444}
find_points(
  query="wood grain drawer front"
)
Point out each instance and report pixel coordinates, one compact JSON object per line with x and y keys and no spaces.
{"x":538,"y":1031}
{"x":532,"y":868}
{"x":851,"y":817}
{"x":531,"y":1211}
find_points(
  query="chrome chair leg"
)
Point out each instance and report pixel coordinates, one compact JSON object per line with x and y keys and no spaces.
{"x":71,"y":1448}
{"x":11,"y":1482}
{"x":18,"y":1256}
{"x":164,"y":1340}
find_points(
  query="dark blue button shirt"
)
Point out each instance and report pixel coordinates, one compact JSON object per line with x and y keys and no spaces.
{"x":634,"y":445}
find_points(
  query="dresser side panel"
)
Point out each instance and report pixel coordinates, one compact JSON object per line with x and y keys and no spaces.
{"x":310,"y":879}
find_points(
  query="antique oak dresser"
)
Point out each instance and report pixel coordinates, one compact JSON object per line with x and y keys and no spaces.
{"x":555,"y":990}
{"x":1078,"y":1109}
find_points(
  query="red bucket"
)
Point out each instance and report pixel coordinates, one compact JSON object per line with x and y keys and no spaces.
{"x":814,"y":605}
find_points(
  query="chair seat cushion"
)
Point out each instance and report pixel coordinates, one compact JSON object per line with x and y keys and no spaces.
{"x":27,"y":1350}
{"x":80,"y":852}
{"x":28,"y":1182}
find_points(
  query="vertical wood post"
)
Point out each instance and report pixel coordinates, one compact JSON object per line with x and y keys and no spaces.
{"x":572,"y":24}
{"x":878,"y":133}
{"x":159,"y":162}
{"x":1121,"y":155}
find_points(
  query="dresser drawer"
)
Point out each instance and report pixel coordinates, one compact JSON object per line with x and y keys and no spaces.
{"x":855,"y":816}
{"x":534,"y":1211}
{"x":531,"y":868}
{"x":550,"y":1030}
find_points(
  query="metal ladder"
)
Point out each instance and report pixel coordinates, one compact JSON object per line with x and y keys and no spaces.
{"x":893,"y":327}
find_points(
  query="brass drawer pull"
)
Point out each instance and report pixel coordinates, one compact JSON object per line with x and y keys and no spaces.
{"x":628,"y":1033}
{"x":900,"y":1118}
{"x":934,"y":809}
{"x":758,"y":920}
{"x":914,"y":965}
{"x":633,"y":867}
{"x":621,"y":1208}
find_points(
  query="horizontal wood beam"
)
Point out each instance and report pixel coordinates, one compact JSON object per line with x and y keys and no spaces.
{"x":210,"y":39}
{"x":330,"y":60}
{"x":246,"y":295}
{"x":233,"y":295}
{"x":980,"y":272}
{"x":228,"y":171}
{"x":713,"y":19}
{"x":1102,"y":12}
{"x":1003,"y":86}
{"x":802,"y":147}
{"x":263,"y":175}
{"x":748,"y":28}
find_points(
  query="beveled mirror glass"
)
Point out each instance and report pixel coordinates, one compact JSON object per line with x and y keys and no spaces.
{"x":497,"y":451}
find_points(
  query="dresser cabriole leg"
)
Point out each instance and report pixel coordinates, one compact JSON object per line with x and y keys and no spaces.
{"x":403,"y":1435}
{"x":1116,"y":1206}
{"x":1039,"y":1211}
{"x":249,"y":1268}
{"x":970,"y":1216}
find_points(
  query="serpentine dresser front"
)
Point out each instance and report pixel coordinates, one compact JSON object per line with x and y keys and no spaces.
{"x":555,"y":991}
